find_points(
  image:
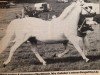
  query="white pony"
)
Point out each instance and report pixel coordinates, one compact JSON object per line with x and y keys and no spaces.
{"x":58,"y":29}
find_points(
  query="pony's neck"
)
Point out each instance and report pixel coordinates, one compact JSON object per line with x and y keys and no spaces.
{"x":66,"y":11}
{"x":73,"y":16}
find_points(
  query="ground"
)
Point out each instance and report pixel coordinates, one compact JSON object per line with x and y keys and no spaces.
{"x":25,"y":61}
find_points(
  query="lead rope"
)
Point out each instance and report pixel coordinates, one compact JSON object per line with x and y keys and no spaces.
{"x":81,"y":25}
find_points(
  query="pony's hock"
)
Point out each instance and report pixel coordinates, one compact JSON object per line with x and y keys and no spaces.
{"x":46,"y":31}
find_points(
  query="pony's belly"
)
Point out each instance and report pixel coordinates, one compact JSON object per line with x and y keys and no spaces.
{"x":51,"y":39}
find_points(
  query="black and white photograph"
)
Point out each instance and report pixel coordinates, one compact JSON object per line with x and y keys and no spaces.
{"x":49,"y":36}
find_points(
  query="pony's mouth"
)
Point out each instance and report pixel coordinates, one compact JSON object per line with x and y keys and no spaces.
{"x":90,"y":14}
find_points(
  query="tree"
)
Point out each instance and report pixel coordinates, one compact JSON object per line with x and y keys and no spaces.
{"x":28,"y":1}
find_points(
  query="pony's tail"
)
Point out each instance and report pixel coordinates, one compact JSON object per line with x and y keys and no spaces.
{"x":5,"y":41}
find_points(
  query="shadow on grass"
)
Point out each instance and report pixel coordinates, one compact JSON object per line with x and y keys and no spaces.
{"x":71,"y":59}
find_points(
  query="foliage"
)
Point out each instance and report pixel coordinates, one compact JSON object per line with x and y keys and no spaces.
{"x":28,"y":1}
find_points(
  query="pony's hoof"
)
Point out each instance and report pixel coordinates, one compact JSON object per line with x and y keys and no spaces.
{"x":87,"y":60}
{"x":44,"y":64}
{"x":59,"y":55}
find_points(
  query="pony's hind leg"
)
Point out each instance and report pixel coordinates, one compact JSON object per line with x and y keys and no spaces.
{"x":13,"y":48}
{"x":75,"y":41}
{"x":65,"y":43}
{"x":34,"y":50}
{"x":17,"y":43}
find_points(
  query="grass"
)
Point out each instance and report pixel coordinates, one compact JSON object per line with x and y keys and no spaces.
{"x":25,"y":61}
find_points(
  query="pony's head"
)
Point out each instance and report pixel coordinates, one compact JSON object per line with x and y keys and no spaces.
{"x":87,"y":10}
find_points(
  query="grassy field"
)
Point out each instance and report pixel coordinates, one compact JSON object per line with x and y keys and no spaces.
{"x":25,"y":61}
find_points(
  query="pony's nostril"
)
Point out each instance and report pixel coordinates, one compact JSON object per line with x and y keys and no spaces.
{"x":95,"y":13}
{"x":90,"y":7}
{"x":86,"y":7}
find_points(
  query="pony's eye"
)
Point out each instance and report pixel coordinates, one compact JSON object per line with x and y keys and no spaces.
{"x":86,"y":7}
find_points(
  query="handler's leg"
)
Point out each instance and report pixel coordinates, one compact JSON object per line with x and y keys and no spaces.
{"x":85,"y":45}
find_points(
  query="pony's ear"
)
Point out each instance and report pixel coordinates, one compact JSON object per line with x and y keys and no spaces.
{"x":80,"y":1}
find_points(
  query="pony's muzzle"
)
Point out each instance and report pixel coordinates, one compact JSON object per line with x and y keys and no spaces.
{"x":94,"y":14}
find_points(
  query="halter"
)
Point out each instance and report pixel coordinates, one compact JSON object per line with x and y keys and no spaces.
{"x":86,"y":10}
{"x":84,"y":19}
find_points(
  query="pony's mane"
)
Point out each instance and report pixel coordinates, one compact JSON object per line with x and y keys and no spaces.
{"x":67,"y":11}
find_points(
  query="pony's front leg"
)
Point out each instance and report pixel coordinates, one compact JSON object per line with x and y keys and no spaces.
{"x":63,"y":53}
{"x":34,"y":49}
{"x":75,"y":41}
